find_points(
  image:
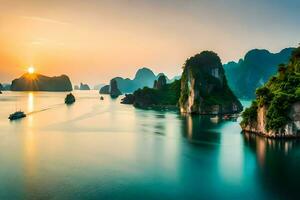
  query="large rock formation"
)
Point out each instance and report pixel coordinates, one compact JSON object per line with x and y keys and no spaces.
{"x":84,"y":86}
{"x":114,"y":90}
{"x":38,"y":82}
{"x":160,"y":82}
{"x":254,"y":70}
{"x":276,"y":110}
{"x":105,"y":89}
{"x":204,"y":88}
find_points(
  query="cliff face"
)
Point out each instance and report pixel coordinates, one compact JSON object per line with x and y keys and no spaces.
{"x":291,"y":129}
{"x":160,"y":82}
{"x":204,"y":88}
{"x":276,"y":110}
{"x":37,"y":82}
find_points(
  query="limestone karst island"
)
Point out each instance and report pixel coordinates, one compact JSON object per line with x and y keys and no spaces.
{"x":147,"y":99}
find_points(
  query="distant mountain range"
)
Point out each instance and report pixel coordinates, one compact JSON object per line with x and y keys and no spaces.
{"x":254,"y":70}
{"x":144,"y":77}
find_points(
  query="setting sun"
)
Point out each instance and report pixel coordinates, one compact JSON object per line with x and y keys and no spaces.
{"x":31,"y":70}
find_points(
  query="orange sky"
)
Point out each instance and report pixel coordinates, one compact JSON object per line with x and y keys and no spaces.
{"x":93,"y":41}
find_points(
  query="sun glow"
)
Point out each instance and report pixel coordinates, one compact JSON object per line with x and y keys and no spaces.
{"x":30,"y":70}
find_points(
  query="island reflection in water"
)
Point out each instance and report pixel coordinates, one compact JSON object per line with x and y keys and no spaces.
{"x":103,"y":149}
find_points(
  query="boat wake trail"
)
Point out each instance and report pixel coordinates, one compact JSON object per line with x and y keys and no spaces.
{"x":44,"y":109}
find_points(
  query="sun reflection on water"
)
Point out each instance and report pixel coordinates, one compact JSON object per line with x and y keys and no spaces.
{"x":30,"y":102}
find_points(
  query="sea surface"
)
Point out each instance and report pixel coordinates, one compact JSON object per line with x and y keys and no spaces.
{"x":97,"y":149}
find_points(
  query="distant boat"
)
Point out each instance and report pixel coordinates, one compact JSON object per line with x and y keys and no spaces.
{"x":70,"y":99}
{"x":17,"y":115}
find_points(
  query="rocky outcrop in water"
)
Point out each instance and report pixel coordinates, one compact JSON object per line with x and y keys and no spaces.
{"x":290,"y":129}
{"x":70,"y":99}
{"x":105,"y":90}
{"x":38,"y":82}
{"x":114,"y":90}
{"x":204,"y":88}
{"x":276,"y":110}
{"x":150,"y":98}
{"x":84,"y":86}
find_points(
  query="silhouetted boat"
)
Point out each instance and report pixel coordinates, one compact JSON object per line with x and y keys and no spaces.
{"x":70,"y":99}
{"x":17,"y":115}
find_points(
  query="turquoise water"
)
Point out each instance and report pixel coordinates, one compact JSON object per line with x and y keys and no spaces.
{"x":105,"y":150}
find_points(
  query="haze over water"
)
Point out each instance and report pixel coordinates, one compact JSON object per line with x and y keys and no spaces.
{"x":103,"y":149}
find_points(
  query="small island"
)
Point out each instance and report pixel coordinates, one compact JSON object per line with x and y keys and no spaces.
{"x":38,"y":82}
{"x":84,"y":86}
{"x":276,"y":111}
{"x":204,"y":88}
{"x":70,"y":99}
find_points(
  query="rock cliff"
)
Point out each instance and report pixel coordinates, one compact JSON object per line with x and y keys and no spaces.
{"x":204,"y":88}
{"x":114,"y":90}
{"x":160,"y":82}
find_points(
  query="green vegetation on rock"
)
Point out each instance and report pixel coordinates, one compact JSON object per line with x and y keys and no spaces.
{"x":168,"y":95}
{"x":203,"y":79}
{"x":277,"y":95}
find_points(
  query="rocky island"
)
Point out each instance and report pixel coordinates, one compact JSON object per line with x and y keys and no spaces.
{"x":114,"y":90}
{"x":84,"y":86}
{"x":165,"y":97}
{"x":202,"y":89}
{"x":105,"y":89}
{"x":276,"y":111}
{"x":38,"y":82}
{"x":70,"y":99}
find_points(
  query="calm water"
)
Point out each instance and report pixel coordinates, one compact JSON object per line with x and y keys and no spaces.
{"x":105,"y":150}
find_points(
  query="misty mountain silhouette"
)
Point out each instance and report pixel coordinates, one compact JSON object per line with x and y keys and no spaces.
{"x":144,"y":77}
{"x":254,"y":70}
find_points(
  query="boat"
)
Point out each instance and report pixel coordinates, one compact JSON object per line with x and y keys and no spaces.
{"x":17,"y":115}
{"x":70,"y":99}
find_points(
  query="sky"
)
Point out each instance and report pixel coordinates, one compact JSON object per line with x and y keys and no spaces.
{"x":93,"y":41}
